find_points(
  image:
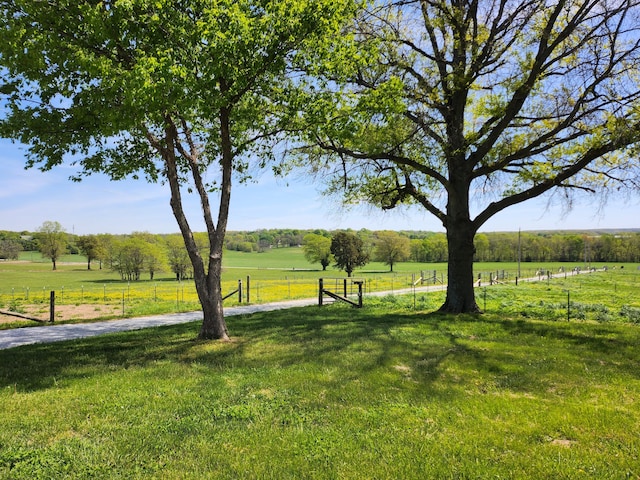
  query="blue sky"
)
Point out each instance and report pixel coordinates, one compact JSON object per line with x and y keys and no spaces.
{"x":97,"y":205}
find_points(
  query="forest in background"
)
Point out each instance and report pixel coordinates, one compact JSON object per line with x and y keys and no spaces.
{"x":558,"y":246}
{"x":539,"y":246}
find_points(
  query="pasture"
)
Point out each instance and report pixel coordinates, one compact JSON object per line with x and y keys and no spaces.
{"x":388,"y":391}
{"x":284,"y":274}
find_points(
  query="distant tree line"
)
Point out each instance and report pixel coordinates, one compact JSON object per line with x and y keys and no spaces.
{"x":132,"y":256}
{"x":551,"y":246}
{"x":536,"y":247}
{"x":143,"y":253}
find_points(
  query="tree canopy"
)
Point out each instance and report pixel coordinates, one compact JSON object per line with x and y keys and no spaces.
{"x":348,"y":251}
{"x":52,"y":240}
{"x":317,"y":249}
{"x":468,"y":107}
{"x":184,"y":92}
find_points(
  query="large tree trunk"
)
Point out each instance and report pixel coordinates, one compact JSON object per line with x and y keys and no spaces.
{"x":214,"y":325}
{"x":210,"y":294}
{"x":460,"y":233}
{"x":460,"y":291}
{"x":208,"y":285}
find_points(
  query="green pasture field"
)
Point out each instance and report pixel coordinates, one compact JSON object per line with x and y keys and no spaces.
{"x":274,"y":275}
{"x":283,"y":274}
{"x":389,"y":391}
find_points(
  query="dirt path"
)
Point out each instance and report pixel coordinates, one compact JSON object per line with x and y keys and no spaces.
{"x":67,"y":312}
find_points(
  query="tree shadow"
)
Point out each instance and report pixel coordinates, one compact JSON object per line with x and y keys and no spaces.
{"x":607,"y":339}
{"x":347,"y":340}
{"x":412,"y":349}
{"x":35,"y":367}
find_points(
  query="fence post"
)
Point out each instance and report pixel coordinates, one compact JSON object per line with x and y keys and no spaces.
{"x":52,"y":306}
{"x":240,"y":291}
{"x":320,"y":288}
{"x":248,"y":289}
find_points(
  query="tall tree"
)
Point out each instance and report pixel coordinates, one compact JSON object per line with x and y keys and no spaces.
{"x":9,"y":249}
{"x":317,"y":249}
{"x":52,"y":240}
{"x":184,"y":92}
{"x":178,"y":258}
{"x":391,"y":247}
{"x":468,"y":107}
{"x":104,"y":245}
{"x":90,"y":247}
{"x":127,"y":257}
{"x":348,"y":251}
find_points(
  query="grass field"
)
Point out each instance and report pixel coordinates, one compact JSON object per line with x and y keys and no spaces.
{"x":389,"y":391}
{"x":281,"y":274}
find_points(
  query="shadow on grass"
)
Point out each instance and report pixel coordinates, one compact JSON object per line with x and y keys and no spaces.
{"x":411,"y":347}
{"x":605,"y":339}
{"x":353,"y":341}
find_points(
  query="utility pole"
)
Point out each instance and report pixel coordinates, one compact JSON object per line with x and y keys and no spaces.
{"x":519,"y":252}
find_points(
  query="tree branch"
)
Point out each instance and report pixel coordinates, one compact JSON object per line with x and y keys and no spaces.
{"x":558,"y":180}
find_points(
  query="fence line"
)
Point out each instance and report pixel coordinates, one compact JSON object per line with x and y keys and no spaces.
{"x":183,"y":295}
{"x":260,"y":291}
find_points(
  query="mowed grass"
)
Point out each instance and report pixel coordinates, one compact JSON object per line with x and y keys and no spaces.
{"x":389,"y":391}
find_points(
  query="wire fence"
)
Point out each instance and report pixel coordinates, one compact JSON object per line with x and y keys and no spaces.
{"x":556,"y":294}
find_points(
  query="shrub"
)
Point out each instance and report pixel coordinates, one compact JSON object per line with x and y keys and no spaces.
{"x":630,"y":314}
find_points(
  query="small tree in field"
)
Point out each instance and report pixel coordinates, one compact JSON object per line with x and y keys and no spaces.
{"x":348,"y":251}
{"x":90,"y":247}
{"x":178,"y":258}
{"x":317,"y":249}
{"x":9,"y":249}
{"x":52,"y":240}
{"x":391,"y":247}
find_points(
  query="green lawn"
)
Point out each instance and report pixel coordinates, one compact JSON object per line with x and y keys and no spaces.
{"x":388,"y":392}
